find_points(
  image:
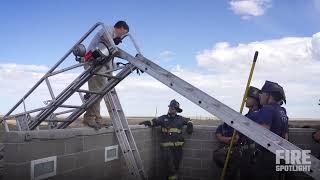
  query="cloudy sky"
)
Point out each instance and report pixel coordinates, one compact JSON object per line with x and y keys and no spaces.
{"x":207,"y":43}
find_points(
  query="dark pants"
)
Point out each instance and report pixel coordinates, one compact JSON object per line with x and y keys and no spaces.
{"x":265,"y":167}
{"x":232,"y":172}
{"x":247,"y":162}
{"x":171,"y":158}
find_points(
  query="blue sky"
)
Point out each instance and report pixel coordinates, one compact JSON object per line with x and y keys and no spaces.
{"x":173,"y":33}
{"x":185,"y":27}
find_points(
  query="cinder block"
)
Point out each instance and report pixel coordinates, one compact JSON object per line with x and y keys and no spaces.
{"x":94,"y":172}
{"x":74,"y":145}
{"x":111,"y":166}
{"x":79,"y":174}
{"x":24,"y":152}
{"x":89,"y":157}
{"x":202,"y":173}
{"x":209,"y":145}
{"x":14,"y":137}
{"x":66,"y":163}
{"x":188,"y":153}
{"x":140,"y":146}
{"x":207,"y":164}
{"x":190,"y":178}
{"x":192,"y":144}
{"x":17,"y":171}
{"x":99,"y":141}
{"x":200,"y":135}
{"x":185,"y":171}
{"x":191,"y":163}
{"x":57,"y":177}
{"x":197,"y":153}
{"x":206,"y":154}
{"x":139,"y":135}
{"x":146,"y":155}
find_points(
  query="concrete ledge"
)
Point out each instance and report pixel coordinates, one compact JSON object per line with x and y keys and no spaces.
{"x":22,"y":136}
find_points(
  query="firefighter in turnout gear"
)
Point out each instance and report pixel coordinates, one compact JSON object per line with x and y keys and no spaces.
{"x":171,"y":137}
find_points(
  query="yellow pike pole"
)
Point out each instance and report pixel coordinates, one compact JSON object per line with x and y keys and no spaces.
{"x":241,"y":109}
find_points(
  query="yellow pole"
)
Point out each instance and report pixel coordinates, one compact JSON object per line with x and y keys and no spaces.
{"x":241,"y":109}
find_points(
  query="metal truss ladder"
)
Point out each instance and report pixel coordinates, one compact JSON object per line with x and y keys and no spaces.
{"x":25,"y":122}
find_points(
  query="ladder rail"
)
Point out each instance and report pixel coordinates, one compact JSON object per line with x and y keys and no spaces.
{"x":233,"y":118}
{"x":122,"y":137}
{"x":94,"y":97}
{"x":125,"y":124}
{"x":65,"y":94}
{"x":122,"y":126}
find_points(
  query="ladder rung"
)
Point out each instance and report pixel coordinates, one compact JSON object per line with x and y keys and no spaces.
{"x":55,"y":120}
{"x":64,"y":112}
{"x":69,"y":106}
{"x":86,"y":91}
{"x":106,"y":75}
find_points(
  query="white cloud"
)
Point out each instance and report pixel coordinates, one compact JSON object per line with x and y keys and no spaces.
{"x":316,"y":4}
{"x":166,"y":55}
{"x":249,"y":8}
{"x":139,"y":95}
{"x":293,"y":62}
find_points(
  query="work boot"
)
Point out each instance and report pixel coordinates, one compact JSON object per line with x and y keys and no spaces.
{"x":174,"y":177}
{"x":93,"y":125}
{"x":102,"y":123}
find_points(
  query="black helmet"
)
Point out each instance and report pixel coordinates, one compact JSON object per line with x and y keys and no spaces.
{"x":253,"y":92}
{"x":275,"y":89}
{"x":176,"y":105}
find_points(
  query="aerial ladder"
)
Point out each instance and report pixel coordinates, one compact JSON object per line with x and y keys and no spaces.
{"x":105,"y":52}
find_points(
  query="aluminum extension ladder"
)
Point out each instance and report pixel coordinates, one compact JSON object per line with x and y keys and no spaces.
{"x":254,"y":131}
{"x":124,"y":135}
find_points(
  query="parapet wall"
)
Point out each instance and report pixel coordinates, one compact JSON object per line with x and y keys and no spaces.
{"x":81,"y":153}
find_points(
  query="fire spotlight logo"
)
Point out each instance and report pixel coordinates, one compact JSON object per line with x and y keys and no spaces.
{"x":293,"y":160}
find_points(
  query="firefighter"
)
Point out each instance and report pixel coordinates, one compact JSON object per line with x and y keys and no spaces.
{"x":171,"y":137}
{"x":247,"y":147}
{"x":224,"y":135}
{"x":273,"y":117}
{"x":92,"y":117}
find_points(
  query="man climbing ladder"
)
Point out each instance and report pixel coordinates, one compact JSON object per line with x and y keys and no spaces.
{"x":92,"y":117}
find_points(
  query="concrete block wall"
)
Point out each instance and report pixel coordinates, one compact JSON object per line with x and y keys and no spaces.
{"x":80,"y":153}
{"x":198,"y":150}
{"x":197,"y":161}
